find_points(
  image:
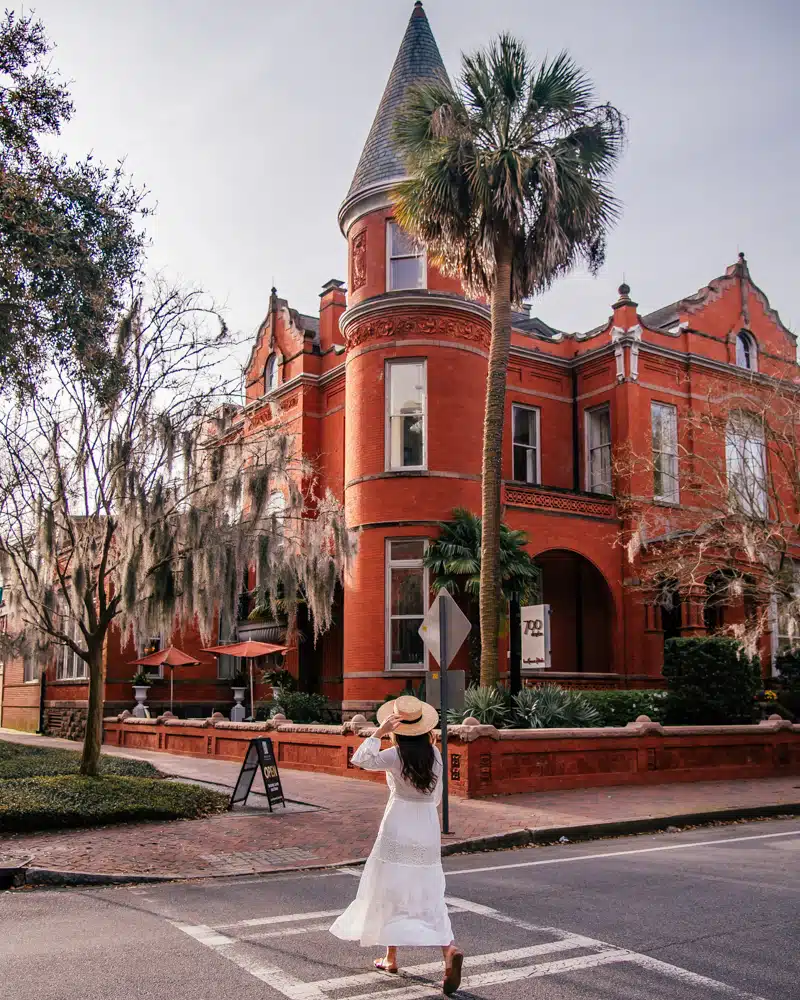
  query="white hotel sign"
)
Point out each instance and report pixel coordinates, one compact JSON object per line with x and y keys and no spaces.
{"x":535,"y":624}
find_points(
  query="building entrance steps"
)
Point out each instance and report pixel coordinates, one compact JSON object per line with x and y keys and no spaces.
{"x":333,"y":821}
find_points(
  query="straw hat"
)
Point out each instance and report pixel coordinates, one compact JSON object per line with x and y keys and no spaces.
{"x":418,"y":718}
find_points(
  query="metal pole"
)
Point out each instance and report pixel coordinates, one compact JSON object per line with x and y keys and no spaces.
{"x":252,"y":696}
{"x":443,"y":663}
{"x":515,"y":646}
{"x":171,"y":679}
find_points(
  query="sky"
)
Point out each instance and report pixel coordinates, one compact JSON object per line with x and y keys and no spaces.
{"x":245,"y":121}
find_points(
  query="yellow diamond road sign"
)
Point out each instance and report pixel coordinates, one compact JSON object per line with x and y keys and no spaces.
{"x":457,"y":627}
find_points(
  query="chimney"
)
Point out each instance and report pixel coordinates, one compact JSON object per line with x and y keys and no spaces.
{"x":332,"y":303}
{"x":625,"y":309}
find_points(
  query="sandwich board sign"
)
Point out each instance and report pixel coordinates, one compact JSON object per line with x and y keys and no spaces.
{"x":535,"y":625}
{"x":260,"y":757}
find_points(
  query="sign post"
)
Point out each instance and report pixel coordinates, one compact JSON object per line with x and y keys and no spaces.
{"x":535,"y":626}
{"x":443,"y":630}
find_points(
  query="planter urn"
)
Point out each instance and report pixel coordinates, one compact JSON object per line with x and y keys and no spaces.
{"x":140,"y":694}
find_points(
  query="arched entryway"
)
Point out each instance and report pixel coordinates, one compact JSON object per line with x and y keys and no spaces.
{"x":582,"y":612}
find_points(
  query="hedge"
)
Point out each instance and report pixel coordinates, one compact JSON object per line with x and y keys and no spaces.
{"x":72,"y":801}
{"x":18,"y":760}
{"x":710,"y":681}
{"x":618,"y":708}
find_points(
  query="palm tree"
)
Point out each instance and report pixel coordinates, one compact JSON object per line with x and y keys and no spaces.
{"x":508,"y":190}
{"x":454,"y":560}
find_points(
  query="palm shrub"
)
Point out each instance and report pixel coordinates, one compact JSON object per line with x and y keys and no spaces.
{"x":710,"y":681}
{"x":454,"y":561}
{"x":552,"y":707}
{"x":491,"y":706}
{"x":508,"y":190}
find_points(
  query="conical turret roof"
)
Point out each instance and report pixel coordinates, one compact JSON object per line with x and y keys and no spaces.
{"x":418,"y":59}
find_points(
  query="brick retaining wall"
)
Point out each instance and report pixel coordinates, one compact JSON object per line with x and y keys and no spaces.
{"x":484,"y":761}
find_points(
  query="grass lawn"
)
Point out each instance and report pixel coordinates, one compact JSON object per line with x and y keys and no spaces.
{"x":40,"y":789}
{"x":18,"y":760}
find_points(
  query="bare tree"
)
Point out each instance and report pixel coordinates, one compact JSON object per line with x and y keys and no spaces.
{"x":726,"y":531}
{"x":153,"y":505}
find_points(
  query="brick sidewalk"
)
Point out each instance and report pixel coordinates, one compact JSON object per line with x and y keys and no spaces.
{"x":343,"y":824}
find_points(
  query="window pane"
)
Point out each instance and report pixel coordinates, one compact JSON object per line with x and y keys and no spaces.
{"x":407,"y":597}
{"x":414,"y":548}
{"x":524,"y":426}
{"x":520,"y":464}
{"x":401,"y":243}
{"x":407,"y":645}
{"x":407,"y":388}
{"x":599,"y":427}
{"x":406,"y":272}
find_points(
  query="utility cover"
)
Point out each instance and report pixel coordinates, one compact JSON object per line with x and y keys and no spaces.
{"x":456,"y":623}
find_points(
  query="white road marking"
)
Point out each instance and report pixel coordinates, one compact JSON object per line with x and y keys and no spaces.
{"x":287,"y":932}
{"x":286,"y":918}
{"x":492,"y":968}
{"x":617,"y":854}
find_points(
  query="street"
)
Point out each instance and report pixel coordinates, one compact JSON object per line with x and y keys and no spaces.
{"x":697,"y":914}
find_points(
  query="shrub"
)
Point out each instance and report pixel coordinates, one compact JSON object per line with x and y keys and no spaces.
{"x":552,"y":707}
{"x":299,"y":706}
{"x":18,"y":760}
{"x":618,"y":708}
{"x":491,"y":706}
{"x":710,"y":682}
{"x":283,"y":679}
{"x":72,"y":801}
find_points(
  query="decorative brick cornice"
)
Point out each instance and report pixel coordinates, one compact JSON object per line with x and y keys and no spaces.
{"x":404,"y":319}
{"x":583,"y":505}
{"x":402,"y":305}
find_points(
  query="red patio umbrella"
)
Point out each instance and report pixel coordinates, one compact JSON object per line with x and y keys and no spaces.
{"x":172,"y":657}
{"x":249,"y":650}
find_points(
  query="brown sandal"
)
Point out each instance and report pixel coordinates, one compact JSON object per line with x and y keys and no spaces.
{"x":452,"y":978}
{"x":381,"y":966}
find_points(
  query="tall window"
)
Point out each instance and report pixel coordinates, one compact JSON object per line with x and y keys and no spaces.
{"x":405,"y":432}
{"x":525,"y":421}
{"x":746,"y":464}
{"x":30,"y":670}
{"x":598,"y":447}
{"x":664,"y":422}
{"x":787,"y":619}
{"x":405,"y":260}
{"x":271,"y":373}
{"x":746,"y":351}
{"x":70,"y":666}
{"x":406,"y":602}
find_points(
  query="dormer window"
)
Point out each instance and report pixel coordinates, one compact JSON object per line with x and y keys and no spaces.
{"x":271,"y":374}
{"x":746,"y":351}
{"x":405,"y":266}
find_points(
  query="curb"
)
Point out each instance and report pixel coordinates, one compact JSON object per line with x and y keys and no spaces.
{"x":45,"y":877}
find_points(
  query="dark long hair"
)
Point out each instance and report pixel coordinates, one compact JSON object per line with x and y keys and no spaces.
{"x":416,"y":754}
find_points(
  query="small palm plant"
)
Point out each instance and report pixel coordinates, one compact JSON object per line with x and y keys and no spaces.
{"x":454,"y":560}
{"x":508,"y":190}
{"x":491,"y":706}
{"x":553,"y":707}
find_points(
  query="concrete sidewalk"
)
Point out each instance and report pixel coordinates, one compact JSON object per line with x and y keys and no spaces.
{"x":333,"y":821}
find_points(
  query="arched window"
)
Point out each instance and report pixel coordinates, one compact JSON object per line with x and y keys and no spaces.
{"x":746,"y":351}
{"x":271,"y":374}
{"x":669,"y":600}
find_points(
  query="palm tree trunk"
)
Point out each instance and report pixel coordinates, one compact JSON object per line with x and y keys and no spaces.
{"x":494,"y":419}
{"x":92,"y":741}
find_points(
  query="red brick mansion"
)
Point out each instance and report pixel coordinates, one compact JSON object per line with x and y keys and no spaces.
{"x":384,"y":390}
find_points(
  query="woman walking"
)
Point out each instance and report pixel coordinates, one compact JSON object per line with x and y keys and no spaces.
{"x":400,"y":899}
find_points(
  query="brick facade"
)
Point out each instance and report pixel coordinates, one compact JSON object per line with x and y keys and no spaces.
{"x":323,"y":378}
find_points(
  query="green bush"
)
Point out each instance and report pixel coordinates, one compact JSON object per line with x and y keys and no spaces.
{"x":787,"y":681}
{"x":549,"y":706}
{"x":299,"y":706}
{"x":72,"y":801}
{"x":618,"y":708}
{"x":709,"y":682}
{"x":491,"y":706}
{"x":19,"y":760}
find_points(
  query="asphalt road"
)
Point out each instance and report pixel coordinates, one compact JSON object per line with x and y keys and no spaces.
{"x":700,"y":914}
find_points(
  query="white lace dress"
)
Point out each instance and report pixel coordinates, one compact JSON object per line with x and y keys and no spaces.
{"x":400,"y":899}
